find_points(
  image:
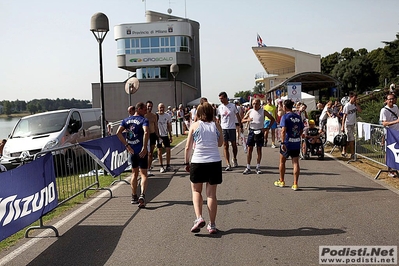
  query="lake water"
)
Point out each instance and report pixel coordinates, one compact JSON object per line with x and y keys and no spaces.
{"x":6,"y":126}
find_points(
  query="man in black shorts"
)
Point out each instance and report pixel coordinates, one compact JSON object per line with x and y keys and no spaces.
{"x":165,"y":134}
{"x":154,"y":136}
{"x":136,"y":128}
{"x":291,"y":131}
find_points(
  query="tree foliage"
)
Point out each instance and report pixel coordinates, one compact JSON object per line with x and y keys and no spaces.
{"x":243,"y":94}
{"x":42,"y":105}
{"x":361,"y":70}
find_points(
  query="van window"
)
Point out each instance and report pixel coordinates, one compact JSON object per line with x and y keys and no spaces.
{"x":75,"y":122}
{"x":40,"y":124}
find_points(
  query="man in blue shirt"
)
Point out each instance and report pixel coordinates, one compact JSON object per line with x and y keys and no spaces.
{"x":137,"y":133}
{"x":291,"y":132}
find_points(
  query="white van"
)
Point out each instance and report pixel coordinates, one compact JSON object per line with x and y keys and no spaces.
{"x":49,"y":130}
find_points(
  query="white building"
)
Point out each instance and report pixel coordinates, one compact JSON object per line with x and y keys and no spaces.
{"x":149,"y":49}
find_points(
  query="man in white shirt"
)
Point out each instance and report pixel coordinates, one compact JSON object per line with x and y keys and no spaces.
{"x":165,"y":135}
{"x":349,"y":122}
{"x":389,"y":117}
{"x":193,"y":114}
{"x":228,"y":112}
{"x":256,"y":117}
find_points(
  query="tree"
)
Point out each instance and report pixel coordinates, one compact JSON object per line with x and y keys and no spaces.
{"x":328,"y":63}
{"x":259,"y":88}
{"x":7,"y":107}
{"x":243,"y":94}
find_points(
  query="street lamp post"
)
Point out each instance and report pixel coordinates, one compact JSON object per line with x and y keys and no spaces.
{"x":99,"y":26}
{"x":174,"y":70}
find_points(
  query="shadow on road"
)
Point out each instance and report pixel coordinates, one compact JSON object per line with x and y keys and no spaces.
{"x":303,"y":231}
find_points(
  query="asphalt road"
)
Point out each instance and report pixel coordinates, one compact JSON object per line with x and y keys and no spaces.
{"x":259,"y":224}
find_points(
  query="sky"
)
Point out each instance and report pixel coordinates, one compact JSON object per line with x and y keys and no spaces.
{"x":48,"y":51}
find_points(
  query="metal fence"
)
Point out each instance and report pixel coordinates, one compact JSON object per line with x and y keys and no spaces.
{"x":370,"y":144}
{"x":76,"y":173}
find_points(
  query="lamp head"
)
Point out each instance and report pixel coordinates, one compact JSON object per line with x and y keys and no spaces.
{"x":174,"y":69}
{"x":99,"y":25}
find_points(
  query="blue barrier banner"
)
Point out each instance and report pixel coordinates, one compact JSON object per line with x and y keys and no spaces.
{"x":109,"y":152}
{"x":392,"y":152}
{"x":27,"y":193}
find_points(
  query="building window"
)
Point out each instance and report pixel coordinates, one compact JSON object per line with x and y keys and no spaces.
{"x":152,"y":73}
{"x":153,"y":45}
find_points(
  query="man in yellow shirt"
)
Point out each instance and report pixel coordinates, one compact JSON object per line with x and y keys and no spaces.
{"x":272,"y":110}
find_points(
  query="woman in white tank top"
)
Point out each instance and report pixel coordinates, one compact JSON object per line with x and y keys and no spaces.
{"x":206,"y":164}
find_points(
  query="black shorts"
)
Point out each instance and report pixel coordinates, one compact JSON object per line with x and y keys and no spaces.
{"x":153,"y":139}
{"x":165,"y":142}
{"x":136,"y":161}
{"x":206,"y":172}
{"x":253,"y":139}
{"x":290,"y":153}
{"x":229,"y":135}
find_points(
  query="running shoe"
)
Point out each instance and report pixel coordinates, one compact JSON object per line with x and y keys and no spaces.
{"x":258,"y":171}
{"x":211,"y":228}
{"x":162,"y":170}
{"x":279,"y":183}
{"x":273,"y":146}
{"x":135,"y":199}
{"x":246,"y":171}
{"x":235,"y":164}
{"x":198,"y":224}
{"x":149,"y":173}
{"x":141,"y":201}
{"x":294,"y":187}
{"x":265,"y":144}
{"x":228,"y":168}
{"x":169,"y":169}
{"x":343,"y":155}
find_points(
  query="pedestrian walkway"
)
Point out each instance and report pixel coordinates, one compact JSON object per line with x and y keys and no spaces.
{"x":259,"y":224}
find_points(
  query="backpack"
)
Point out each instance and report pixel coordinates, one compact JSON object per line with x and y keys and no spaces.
{"x":340,"y":139}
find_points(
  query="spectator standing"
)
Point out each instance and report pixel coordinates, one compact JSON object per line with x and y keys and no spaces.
{"x":227,"y":112}
{"x":291,"y":132}
{"x":137,"y":133}
{"x":280,"y":110}
{"x":206,"y":164}
{"x":325,"y":114}
{"x":165,"y":135}
{"x":154,"y":133}
{"x":389,"y":117}
{"x":131,"y":110}
{"x":349,"y":123}
{"x":193,"y":114}
{"x":237,"y":121}
{"x":256,"y":117}
{"x":268,"y":125}
{"x":169,"y":111}
{"x":180,"y":117}
{"x":303,"y":113}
